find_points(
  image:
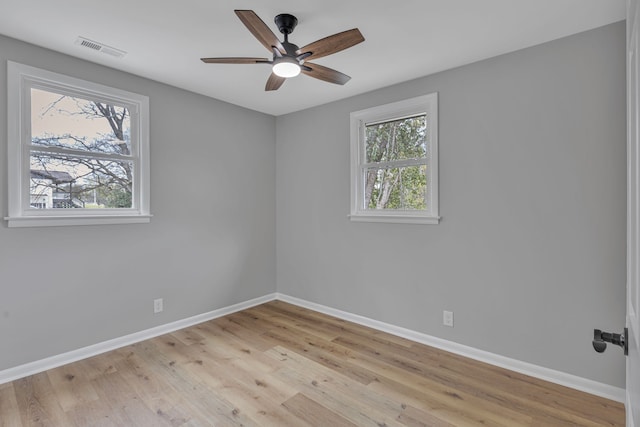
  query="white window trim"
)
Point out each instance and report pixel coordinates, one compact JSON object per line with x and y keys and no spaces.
{"x":20,"y":79}
{"x":426,"y":104}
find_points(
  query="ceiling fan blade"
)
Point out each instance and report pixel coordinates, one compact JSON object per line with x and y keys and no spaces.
{"x":325,"y":73}
{"x":232,"y":60}
{"x":332,"y":44}
{"x":274,"y":82}
{"x":260,"y":30}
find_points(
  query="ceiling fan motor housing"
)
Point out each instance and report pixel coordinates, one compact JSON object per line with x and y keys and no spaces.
{"x":286,"y":23}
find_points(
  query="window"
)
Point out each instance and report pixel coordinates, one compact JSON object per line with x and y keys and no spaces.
{"x":78,"y":151}
{"x":394,"y":162}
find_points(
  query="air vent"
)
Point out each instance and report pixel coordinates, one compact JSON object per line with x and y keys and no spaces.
{"x":100,"y":47}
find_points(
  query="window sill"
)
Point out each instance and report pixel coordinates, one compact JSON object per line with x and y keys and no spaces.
{"x":398,"y":219}
{"x":53,"y":221}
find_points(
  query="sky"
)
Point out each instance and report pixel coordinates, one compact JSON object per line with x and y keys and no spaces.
{"x":50,"y":115}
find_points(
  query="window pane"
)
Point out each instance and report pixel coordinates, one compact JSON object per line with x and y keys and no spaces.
{"x":396,"y":140}
{"x":60,"y":182}
{"x":76,"y":123}
{"x":396,"y":188}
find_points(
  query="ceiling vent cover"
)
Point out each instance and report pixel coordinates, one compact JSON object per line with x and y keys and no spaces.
{"x":100,"y":47}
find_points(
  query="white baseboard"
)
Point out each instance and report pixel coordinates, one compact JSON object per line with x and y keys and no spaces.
{"x":557,"y":377}
{"x":38,"y":366}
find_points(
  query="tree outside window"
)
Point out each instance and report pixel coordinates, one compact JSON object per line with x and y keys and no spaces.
{"x":88,"y":141}
{"x":389,"y":143}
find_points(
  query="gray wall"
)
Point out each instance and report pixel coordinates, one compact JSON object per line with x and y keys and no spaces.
{"x":530,"y":253}
{"x":210,"y":244}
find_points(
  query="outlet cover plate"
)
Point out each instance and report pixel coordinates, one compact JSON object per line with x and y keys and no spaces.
{"x":157,"y":305}
{"x":447,"y":318}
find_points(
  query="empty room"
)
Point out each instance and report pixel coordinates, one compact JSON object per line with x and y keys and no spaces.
{"x":281,"y":213}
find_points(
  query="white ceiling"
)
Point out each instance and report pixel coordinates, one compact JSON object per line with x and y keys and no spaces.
{"x":405,"y":39}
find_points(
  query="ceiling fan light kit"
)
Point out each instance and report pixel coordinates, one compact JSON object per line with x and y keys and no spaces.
{"x":289,"y":60}
{"x":285,"y":67}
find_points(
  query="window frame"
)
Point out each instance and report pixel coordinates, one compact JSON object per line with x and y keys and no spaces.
{"x":425,"y":104}
{"x":20,"y":80}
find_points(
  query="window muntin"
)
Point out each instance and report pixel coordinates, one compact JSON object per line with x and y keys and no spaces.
{"x":78,"y":151}
{"x":394,"y":162}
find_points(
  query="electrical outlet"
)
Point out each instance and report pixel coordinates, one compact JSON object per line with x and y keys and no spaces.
{"x":157,"y":305}
{"x":447,"y":318}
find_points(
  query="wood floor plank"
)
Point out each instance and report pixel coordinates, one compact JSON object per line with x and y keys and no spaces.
{"x":315,"y":319}
{"x":522,"y":388}
{"x":113,"y":390}
{"x":448,"y":369}
{"x":241,"y":371}
{"x":278,"y":320}
{"x":377,"y":397}
{"x":279,"y":365}
{"x":154,"y":390}
{"x":97,"y":413}
{"x":324,"y":353}
{"x":313,"y":413}
{"x":444,"y":393}
{"x":248,"y":328}
{"x":218,"y":330}
{"x":37,"y":402}
{"x":344,"y":405}
{"x":97,"y":366}
{"x":228,"y":347}
{"x":9,"y":416}
{"x":337,"y":392}
{"x":204,"y":400}
{"x":242,"y":330}
{"x":245,"y":386}
{"x":71,"y":387}
{"x":413,"y":417}
{"x":188,"y":336}
{"x":448,"y":404}
{"x":381,"y":401}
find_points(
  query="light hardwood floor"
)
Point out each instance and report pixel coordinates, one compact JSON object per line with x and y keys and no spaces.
{"x":282,"y":365}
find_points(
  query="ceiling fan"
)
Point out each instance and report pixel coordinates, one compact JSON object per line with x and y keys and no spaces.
{"x":288,"y":59}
